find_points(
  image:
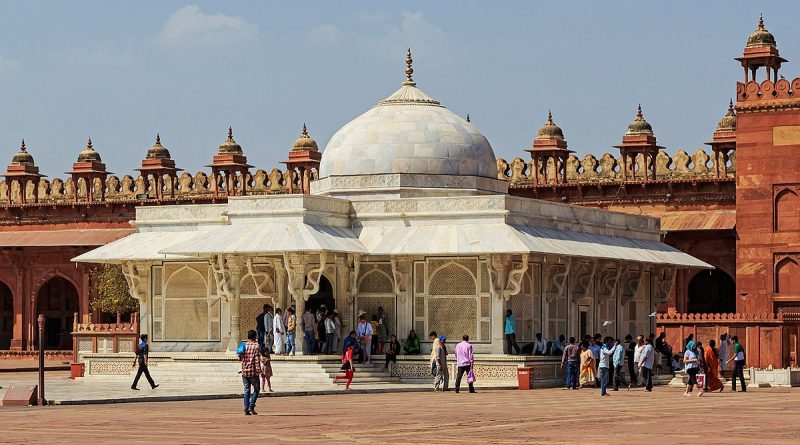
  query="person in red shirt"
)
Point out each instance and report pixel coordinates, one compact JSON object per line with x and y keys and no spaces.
{"x":348,"y":367}
{"x":251,"y":370}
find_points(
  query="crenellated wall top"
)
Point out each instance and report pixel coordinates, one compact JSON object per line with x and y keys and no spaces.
{"x":590,"y":169}
{"x":767,"y":90}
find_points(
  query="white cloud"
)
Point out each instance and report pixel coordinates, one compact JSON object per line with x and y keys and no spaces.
{"x":189,"y":26}
{"x":324,"y":34}
{"x":8,"y":65}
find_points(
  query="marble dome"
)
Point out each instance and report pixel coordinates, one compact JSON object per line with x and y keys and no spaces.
{"x":408,"y":132}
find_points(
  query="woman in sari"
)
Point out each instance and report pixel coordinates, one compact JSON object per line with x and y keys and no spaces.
{"x":588,"y":375}
{"x":713,"y":383}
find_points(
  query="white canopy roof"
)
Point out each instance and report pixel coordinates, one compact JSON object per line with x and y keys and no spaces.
{"x":268,"y":238}
{"x":139,"y":246}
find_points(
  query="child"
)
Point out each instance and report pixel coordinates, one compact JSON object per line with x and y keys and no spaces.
{"x":676,"y":362}
{"x":348,"y":368}
{"x":392,"y":349}
{"x":266,"y":368}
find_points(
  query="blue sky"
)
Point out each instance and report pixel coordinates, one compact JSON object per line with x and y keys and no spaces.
{"x":121,"y":71}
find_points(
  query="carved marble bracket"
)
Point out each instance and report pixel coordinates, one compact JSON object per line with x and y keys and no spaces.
{"x":664,"y":277}
{"x":353,"y":270}
{"x":608,"y":279}
{"x":555,"y":278}
{"x":259,"y":285}
{"x":505,"y":285}
{"x":401,"y":271}
{"x":136,"y":278}
{"x":631,"y":279}
{"x":301,"y":276}
{"x":222,"y":277}
{"x":583,"y":272}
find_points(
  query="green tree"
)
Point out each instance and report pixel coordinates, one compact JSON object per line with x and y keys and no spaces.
{"x":113,"y":295}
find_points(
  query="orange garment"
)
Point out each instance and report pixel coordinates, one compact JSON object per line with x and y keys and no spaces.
{"x":713,"y":383}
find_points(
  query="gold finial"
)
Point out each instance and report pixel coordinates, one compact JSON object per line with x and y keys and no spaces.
{"x":730,"y":106}
{"x":409,"y":70}
{"x":158,"y":139}
{"x":89,"y":144}
{"x":639,"y":115}
{"x":549,"y":118}
{"x":761,"y":21}
{"x":468,"y":118}
{"x":305,"y":130}
{"x":230,"y":134}
{"x":22,"y":146}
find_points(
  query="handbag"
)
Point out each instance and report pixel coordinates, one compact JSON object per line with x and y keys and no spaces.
{"x":433,"y":368}
{"x":471,"y":376}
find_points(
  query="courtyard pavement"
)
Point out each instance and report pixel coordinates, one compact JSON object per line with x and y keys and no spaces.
{"x":490,"y":416}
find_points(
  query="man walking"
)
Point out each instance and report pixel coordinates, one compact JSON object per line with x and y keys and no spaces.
{"x":606,"y":351}
{"x":637,"y":358}
{"x":465,"y":360}
{"x":442,"y":379}
{"x":511,"y":333}
{"x":251,"y":370}
{"x":618,"y":357}
{"x":260,"y":328}
{"x":571,"y":358}
{"x":738,"y":364}
{"x":724,"y":351}
{"x":291,"y":327}
{"x":269,"y":337}
{"x":142,"y":355}
{"x":309,"y":323}
{"x":646,"y":361}
{"x":278,"y":331}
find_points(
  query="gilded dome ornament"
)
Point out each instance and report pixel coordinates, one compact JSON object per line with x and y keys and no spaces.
{"x":550,"y":130}
{"x":639,"y":125}
{"x":230,"y":146}
{"x":89,"y":154}
{"x":409,"y":70}
{"x":728,"y":122}
{"x":305,"y":142}
{"x":22,"y":156}
{"x":760,"y":37}
{"x":158,"y":151}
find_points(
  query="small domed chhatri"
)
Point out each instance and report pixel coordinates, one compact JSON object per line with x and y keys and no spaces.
{"x":305,"y":142}
{"x":728,"y":122}
{"x":158,"y":151}
{"x":639,"y":125}
{"x":550,"y":130}
{"x":22,"y":157}
{"x":89,"y":154}
{"x":760,"y":37}
{"x":230,"y":146}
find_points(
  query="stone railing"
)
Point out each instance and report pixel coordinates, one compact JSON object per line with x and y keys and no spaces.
{"x":105,"y":337}
{"x":760,"y":334}
{"x":767,"y":90}
{"x":130,"y":188}
{"x":682,"y":166}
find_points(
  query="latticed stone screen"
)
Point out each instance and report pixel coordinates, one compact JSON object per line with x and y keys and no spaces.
{"x":556,"y":311}
{"x":255,"y":291}
{"x":249,"y":309}
{"x":376,"y":279}
{"x":376,"y":289}
{"x":635,"y":314}
{"x":370,"y":304}
{"x":606,"y":308}
{"x":183,"y":307}
{"x":85,"y":345}
{"x":527,"y":305}
{"x":187,"y":319}
{"x":451,"y":297}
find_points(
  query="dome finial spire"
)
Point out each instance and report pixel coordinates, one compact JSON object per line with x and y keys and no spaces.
{"x":730,"y":106}
{"x":409,"y":70}
{"x":158,"y":138}
{"x":89,"y":144}
{"x":761,"y":21}
{"x":549,"y":117}
{"x":639,"y":115}
{"x":230,"y":134}
{"x":305,"y":130}
{"x":22,"y":146}
{"x":468,"y":118}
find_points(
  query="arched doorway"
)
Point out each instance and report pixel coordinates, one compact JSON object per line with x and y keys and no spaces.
{"x":712,"y":291}
{"x":324,"y":296}
{"x":58,"y":301}
{"x":6,"y":316}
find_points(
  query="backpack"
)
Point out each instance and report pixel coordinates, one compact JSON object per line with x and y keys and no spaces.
{"x":241,"y":349}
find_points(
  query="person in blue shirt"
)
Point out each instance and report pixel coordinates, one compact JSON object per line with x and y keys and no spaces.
{"x":142,"y":355}
{"x":605,"y":357}
{"x":511,"y":333}
{"x":618,"y":359}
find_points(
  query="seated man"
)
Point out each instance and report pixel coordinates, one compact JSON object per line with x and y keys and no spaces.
{"x":539,"y":345}
{"x":411,"y":343}
{"x":557,"y":347}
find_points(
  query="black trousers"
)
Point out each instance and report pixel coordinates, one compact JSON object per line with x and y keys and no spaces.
{"x":511,"y":342}
{"x":143,"y":370}
{"x":738,"y":371}
{"x":461,"y":371}
{"x":615,"y":374}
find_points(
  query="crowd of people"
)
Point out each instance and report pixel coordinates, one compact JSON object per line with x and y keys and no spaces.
{"x":598,"y":361}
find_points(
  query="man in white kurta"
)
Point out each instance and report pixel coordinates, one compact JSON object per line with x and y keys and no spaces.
{"x":278,"y":331}
{"x":724,"y":351}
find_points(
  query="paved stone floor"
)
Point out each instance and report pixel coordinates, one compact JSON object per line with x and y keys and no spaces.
{"x":538,"y":416}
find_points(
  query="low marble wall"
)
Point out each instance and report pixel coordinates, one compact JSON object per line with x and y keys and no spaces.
{"x":494,"y":368}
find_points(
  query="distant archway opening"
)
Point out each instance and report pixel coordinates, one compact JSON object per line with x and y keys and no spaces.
{"x":324,"y":296}
{"x":712,"y":291}
{"x":6,"y":316}
{"x":58,"y":301}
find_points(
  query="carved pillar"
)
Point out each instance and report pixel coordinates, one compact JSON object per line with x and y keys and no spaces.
{"x":505,"y":281}
{"x":298,"y":272}
{"x":401,"y":275}
{"x":136,"y":276}
{"x":234,"y":266}
{"x":353,"y":270}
